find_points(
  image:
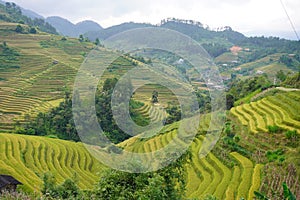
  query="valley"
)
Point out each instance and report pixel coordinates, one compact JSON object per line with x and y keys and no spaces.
{"x":256,"y":156}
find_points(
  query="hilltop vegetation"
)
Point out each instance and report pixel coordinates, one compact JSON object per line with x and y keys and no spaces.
{"x":10,"y":12}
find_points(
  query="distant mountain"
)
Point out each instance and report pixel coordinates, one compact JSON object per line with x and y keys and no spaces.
{"x":28,"y":13}
{"x":105,"y":33}
{"x":195,"y":30}
{"x":199,"y":32}
{"x":67,"y":28}
{"x":31,"y":14}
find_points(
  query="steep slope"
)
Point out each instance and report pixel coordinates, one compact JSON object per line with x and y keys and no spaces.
{"x":281,"y":110}
{"x":207,"y":175}
{"x":35,"y":69}
{"x":28,"y":158}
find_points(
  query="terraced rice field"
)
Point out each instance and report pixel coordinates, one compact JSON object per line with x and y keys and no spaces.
{"x":153,"y":112}
{"x":210,"y":176}
{"x":282,"y":110}
{"x":27,"y":158}
{"x":207,"y":175}
{"x":46,"y":68}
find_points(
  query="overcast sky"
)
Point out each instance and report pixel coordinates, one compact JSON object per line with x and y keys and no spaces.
{"x":259,"y":17}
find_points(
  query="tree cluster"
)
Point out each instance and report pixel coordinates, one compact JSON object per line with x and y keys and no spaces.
{"x":14,"y":14}
{"x":59,"y":121}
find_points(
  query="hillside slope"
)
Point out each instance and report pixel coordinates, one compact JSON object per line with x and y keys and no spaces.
{"x":36,"y":70}
{"x":27,"y":158}
{"x":281,"y":110}
{"x":208,"y":175}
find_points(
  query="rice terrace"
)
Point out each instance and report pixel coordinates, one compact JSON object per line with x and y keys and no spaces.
{"x":43,"y":156}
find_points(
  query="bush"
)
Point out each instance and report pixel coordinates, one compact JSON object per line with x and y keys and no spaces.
{"x":291,"y":135}
{"x":67,"y":190}
{"x":275,"y":155}
{"x":19,"y":29}
{"x":274,"y":129}
{"x":32,"y":30}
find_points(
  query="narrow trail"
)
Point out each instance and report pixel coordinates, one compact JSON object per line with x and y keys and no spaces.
{"x":274,"y":88}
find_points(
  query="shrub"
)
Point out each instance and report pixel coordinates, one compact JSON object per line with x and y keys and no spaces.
{"x":275,"y":155}
{"x":237,"y":139}
{"x":274,"y":129}
{"x":67,"y":190}
{"x":19,"y":29}
{"x":291,"y":135}
{"x":32,"y":30}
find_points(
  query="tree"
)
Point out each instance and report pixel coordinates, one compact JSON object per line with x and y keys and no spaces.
{"x":174,"y":114}
{"x":286,"y":60}
{"x":49,"y":184}
{"x":81,"y":38}
{"x":154,"y":97}
{"x":104,"y":111}
{"x":97,"y":42}
{"x":229,"y":101}
{"x":32,"y":30}
{"x":19,"y":29}
{"x":167,"y":183}
{"x":67,"y":190}
{"x":281,"y":75}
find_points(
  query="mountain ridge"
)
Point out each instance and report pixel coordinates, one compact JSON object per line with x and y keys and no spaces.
{"x":67,"y":28}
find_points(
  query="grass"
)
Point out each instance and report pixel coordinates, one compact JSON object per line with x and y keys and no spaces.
{"x":247,"y":98}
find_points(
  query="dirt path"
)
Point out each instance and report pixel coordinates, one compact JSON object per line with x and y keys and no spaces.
{"x":274,"y":88}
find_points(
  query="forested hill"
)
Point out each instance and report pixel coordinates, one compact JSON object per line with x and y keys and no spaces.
{"x":10,"y":12}
{"x":225,"y":36}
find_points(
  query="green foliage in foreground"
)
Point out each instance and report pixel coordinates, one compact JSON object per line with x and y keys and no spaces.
{"x":167,"y":183}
